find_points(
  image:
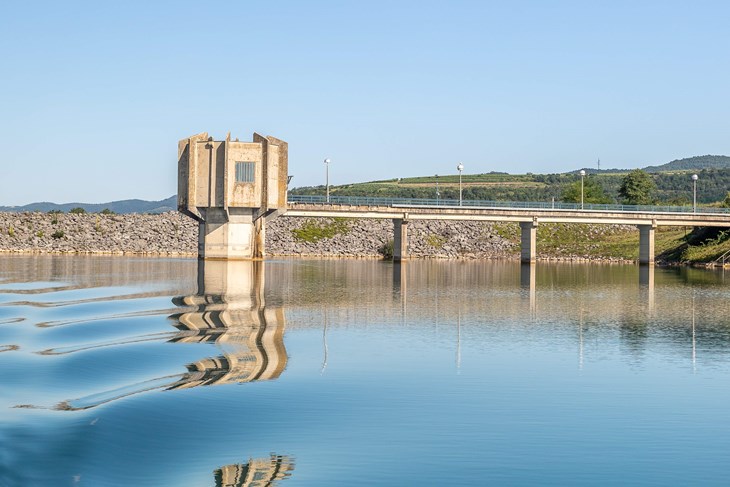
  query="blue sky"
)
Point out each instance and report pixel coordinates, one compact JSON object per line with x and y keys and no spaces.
{"x":95,"y":95}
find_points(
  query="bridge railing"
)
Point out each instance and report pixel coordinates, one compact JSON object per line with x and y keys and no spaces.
{"x":541,"y":205}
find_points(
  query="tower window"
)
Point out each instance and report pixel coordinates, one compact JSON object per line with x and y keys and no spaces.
{"x":245,"y":172}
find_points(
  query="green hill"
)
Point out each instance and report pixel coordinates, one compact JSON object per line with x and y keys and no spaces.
{"x":673,"y":181}
{"x":696,"y":163}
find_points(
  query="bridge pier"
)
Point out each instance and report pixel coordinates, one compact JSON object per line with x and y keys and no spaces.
{"x":528,"y":242}
{"x":646,"y":244}
{"x":400,"y":239}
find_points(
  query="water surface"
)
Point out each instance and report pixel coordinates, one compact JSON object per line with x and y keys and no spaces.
{"x":151,"y":372}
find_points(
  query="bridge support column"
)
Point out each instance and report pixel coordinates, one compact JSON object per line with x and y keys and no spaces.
{"x":400,"y":239}
{"x":646,"y":244}
{"x":230,"y":234}
{"x":528,"y":242}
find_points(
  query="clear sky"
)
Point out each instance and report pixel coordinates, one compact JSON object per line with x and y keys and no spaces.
{"x":95,"y":95}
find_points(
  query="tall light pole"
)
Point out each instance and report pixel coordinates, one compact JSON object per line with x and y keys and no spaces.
{"x":437,"y":190}
{"x":327,"y":177}
{"x":582,"y":174}
{"x":460,"y":168}
{"x":694,"y":193}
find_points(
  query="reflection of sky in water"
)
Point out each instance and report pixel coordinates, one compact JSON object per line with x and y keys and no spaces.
{"x":362,"y":373}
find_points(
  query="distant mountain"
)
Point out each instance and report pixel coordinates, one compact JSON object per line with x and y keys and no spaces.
{"x":123,"y":206}
{"x":693,"y":163}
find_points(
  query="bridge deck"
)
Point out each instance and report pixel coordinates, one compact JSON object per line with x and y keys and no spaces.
{"x":479,"y":213}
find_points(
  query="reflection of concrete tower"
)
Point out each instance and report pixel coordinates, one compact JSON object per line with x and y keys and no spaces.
{"x":258,"y":472}
{"x":230,"y":311}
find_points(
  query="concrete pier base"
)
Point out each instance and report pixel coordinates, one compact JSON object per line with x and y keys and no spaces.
{"x":528,"y":242}
{"x":233,"y":234}
{"x":400,"y":239}
{"x":646,"y":244}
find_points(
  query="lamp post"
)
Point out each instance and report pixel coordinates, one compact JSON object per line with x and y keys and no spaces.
{"x":694,"y":193}
{"x":582,"y":174}
{"x":460,"y":168}
{"x":437,"y":190}
{"x":327,"y":177}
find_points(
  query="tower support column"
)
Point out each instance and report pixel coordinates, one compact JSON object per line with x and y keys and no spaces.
{"x":230,"y":234}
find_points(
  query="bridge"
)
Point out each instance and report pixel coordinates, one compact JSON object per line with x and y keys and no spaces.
{"x":528,"y":214}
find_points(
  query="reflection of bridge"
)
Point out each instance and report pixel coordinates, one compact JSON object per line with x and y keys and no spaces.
{"x":528,"y":215}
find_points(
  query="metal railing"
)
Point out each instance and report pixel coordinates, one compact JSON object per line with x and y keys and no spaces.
{"x":722,"y":259}
{"x":539,"y":205}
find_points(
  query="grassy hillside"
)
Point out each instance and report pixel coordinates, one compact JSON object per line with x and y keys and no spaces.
{"x":673,"y":187}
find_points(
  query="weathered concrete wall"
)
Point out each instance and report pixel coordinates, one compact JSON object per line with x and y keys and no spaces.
{"x":244,"y":194}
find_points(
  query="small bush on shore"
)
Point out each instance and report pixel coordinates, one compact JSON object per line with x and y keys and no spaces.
{"x":386,"y":250}
{"x":313,"y":231}
{"x":57,"y":234}
{"x":77,"y":211}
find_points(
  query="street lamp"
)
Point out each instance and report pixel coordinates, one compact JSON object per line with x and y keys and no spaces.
{"x":460,"y":168}
{"x":582,"y":174}
{"x":437,"y":190}
{"x":694,"y":193}
{"x":327,"y":177}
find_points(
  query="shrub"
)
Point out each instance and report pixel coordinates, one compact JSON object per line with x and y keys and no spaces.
{"x":436,"y":241}
{"x":386,"y":250}
{"x":57,"y":234}
{"x":40,"y":234}
{"x":77,"y":211}
{"x":313,"y":231}
{"x":11,"y":231}
{"x":107,"y":211}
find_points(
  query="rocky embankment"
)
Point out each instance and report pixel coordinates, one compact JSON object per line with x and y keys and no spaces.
{"x":171,"y":234}
{"x":371,"y":238}
{"x":165,"y":234}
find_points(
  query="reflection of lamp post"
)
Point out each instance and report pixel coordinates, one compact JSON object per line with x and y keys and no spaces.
{"x":582,"y":174}
{"x":694,"y":193}
{"x":327,"y":176}
{"x":460,"y":168}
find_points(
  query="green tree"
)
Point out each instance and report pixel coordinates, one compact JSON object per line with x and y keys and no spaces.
{"x":726,"y":201}
{"x":637,"y":188}
{"x":592,"y":192}
{"x":77,"y":211}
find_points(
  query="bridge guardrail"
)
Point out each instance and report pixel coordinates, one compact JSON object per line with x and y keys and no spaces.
{"x":538,"y":205}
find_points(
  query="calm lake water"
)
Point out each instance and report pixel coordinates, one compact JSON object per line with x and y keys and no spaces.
{"x":167,"y":372}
